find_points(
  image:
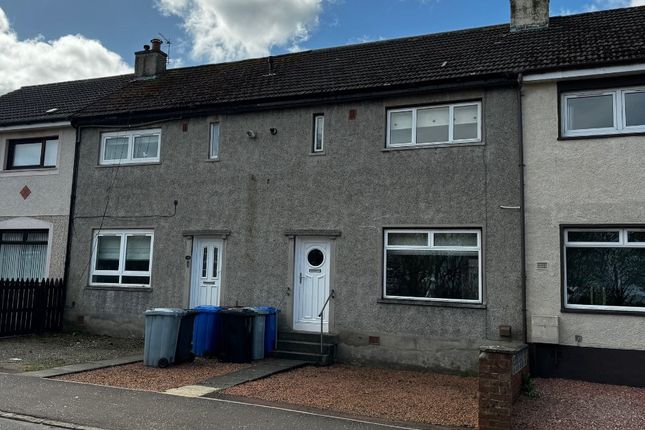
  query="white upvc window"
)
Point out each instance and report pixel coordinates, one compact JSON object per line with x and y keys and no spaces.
{"x":434,"y":125}
{"x":214,"y":141}
{"x":603,"y":112}
{"x":604,"y":269}
{"x":442,"y":265}
{"x":128,"y":147}
{"x":122,"y":258}
{"x":319,"y":134}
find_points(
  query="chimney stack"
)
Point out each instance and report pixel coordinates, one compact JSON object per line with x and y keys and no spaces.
{"x":151,"y":61}
{"x":529,"y":14}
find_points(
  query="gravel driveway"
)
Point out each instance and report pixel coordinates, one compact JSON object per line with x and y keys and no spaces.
{"x":399,"y":395}
{"x":572,"y":405}
{"x":139,"y":377}
{"x":37,"y":352}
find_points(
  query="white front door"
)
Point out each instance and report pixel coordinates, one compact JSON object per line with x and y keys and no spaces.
{"x":311,"y":284}
{"x":206,"y":279}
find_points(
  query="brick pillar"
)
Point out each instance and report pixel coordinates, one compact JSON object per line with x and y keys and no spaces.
{"x":500,"y":383}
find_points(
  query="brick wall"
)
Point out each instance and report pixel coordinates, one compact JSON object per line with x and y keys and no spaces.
{"x":500,"y":383}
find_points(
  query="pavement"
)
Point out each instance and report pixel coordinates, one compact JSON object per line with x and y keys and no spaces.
{"x":121,"y":409}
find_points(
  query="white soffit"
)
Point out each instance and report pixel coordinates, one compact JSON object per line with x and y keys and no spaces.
{"x":37,"y":126}
{"x":582,"y":73}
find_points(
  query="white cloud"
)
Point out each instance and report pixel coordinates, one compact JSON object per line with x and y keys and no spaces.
{"x":597,"y":5}
{"x":37,"y":61}
{"x":227,"y":30}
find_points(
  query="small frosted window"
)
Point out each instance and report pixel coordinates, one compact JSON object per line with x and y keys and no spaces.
{"x":214,"y":147}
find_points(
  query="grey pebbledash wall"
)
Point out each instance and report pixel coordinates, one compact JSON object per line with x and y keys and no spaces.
{"x":264,"y":187}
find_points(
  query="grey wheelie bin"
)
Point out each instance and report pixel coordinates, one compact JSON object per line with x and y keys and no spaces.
{"x":259,"y":327}
{"x":162,"y":335}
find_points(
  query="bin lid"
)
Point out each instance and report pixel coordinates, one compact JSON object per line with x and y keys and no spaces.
{"x":208,"y":308}
{"x":166,"y":311}
{"x":267,"y":309}
{"x":262,"y":310}
{"x":239,"y":311}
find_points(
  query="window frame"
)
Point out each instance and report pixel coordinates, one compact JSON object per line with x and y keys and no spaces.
{"x":620,"y":126}
{"x":130,"y":135}
{"x":451,"y":109}
{"x":11,"y":148}
{"x":314,"y":149}
{"x":123,"y":234}
{"x":211,"y":125}
{"x":429,"y":246}
{"x":623,"y":242}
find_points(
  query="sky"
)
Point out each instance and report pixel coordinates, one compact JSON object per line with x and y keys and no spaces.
{"x":44,"y":41}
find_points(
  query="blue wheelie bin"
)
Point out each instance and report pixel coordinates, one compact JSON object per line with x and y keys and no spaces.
{"x":206,"y":332}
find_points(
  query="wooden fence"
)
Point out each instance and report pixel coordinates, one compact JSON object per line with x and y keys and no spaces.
{"x":31,"y":305}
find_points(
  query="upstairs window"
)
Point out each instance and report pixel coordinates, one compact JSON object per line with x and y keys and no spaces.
{"x":433,"y":265}
{"x":604,"y":269}
{"x":38,"y":153}
{"x":603,"y":112}
{"x":319,"y":134}
{"x":139,"y":146}
{"x":434,"y":125}
{"x":214,"y":141}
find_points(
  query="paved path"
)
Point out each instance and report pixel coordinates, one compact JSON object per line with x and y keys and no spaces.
{"x":260,"y":369}
{"x":119,"y":409}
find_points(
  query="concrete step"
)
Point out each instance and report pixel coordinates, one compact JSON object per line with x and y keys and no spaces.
{"x":310,"y":347}
{"x":321,"y":360}
{"x":308,"y":337}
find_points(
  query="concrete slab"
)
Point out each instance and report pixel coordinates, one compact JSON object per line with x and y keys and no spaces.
{"x":259,"y":370}
{"x":191,"y":391}
{"x":82,"y":367}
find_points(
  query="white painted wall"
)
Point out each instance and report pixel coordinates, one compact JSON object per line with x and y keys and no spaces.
{"x":48,"y":204}
{"x":50,"y":188}
{"x":585,"y":181}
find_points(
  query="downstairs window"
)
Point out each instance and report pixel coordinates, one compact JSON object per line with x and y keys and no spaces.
{"x":604,"y":269}
{"x":122,"y":258}
{"x":433,"y":265}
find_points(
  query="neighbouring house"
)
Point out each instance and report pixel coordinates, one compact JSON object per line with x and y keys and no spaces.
{"x":584,"y":142}
{"x":37,"y":145}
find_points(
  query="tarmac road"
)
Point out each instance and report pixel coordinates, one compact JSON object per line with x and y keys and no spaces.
{"x":120,"y":409}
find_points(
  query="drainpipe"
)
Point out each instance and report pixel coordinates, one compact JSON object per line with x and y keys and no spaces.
{"x":72,"y":202}
{"x":522,"y":203}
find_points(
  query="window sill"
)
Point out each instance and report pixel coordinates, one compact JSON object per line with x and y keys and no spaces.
{"x":212,"y":160}
{"x":601,"y":136}
{"x":430,"y":146}
{"x":154,"y":163}
{"x":602,"y":312}
{"x":118,"y":288}
{"x":431,"y":303}
{"x":29,"y":172}
{"x":317,"y":154}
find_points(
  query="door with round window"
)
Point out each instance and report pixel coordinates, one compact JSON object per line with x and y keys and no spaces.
{"x":311,"y":284}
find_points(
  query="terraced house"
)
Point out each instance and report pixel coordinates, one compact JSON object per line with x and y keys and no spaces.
{"x":37,"y":144}
{"x":585,"y":205}
{"x":412,"y":199}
